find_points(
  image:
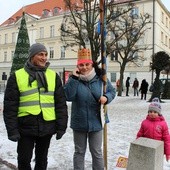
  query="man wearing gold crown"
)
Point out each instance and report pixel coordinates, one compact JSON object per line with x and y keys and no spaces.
{"x":84,"y":89}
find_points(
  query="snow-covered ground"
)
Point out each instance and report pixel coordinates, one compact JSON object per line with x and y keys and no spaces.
{"x":125,"y":115}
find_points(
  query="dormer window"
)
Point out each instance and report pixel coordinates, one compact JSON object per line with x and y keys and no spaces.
{"x":134,"y":12}
{"x":11,"y":20}
{"x":45,"y":12}
{"x":17,"y":18}
{"x":56,"y":10}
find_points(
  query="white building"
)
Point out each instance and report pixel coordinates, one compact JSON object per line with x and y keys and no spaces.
{"x":43,"y":23}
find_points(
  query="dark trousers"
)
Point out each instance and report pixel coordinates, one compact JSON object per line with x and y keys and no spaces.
{"x":127,"y":91}
{"x":25,"y":151}
{"x":143,"y":95}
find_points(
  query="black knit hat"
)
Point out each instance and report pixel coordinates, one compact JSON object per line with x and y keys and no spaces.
{"x":36,"y":48}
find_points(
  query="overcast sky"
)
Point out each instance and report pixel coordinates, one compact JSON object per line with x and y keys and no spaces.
{"x":9,"y":7}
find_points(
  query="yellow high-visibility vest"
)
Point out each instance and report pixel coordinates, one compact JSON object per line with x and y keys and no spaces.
{"x":34,"y":100}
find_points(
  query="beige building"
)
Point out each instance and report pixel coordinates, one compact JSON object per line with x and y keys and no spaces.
{"x":44,"y":27}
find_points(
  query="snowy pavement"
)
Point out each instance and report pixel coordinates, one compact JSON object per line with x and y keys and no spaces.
{"x":125,"y":115}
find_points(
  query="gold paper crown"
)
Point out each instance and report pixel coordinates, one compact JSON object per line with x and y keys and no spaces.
{"x":84,"y":54}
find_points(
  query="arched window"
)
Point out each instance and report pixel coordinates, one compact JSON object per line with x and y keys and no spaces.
{"x":45,"y":13}
{"x":56,"y":10}
{"x":10,"y":20}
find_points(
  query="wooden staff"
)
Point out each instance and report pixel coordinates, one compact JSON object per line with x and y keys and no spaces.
{"x":104,"y":74}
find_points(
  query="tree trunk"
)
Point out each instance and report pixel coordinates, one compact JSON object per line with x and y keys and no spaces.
{"x":157,"y":87}
{"x":122,"y":69}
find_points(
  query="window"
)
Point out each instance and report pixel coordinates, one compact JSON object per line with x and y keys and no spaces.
{"x":167,"y":22}
{"x":135,"y":56}
{"x":6,"y":38}
{"x":162,"y":37}
{"x":134,"y":31}
{"x":52,"y":31}
{"x":113,"y":77}
{"x":115,"y":14}
{"x":114,"y":56}
{"x":45,"y":12}
{"x":166,"y":40}
{"x":12,"y":55}
{"x":162,"y":17}
{"x":41,"y":32}
{"x":63,"y":49}
{"x":13,"y":37}
{"x":5,"y":56}
{"x":11,"y":20}
{"x":56,"y":10}
{"x":51,"y":52}
{"x":134,"y":12}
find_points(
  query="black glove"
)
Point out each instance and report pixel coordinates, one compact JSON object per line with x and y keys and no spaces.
{"x":14,"y":138}
{"x":59,"y":134}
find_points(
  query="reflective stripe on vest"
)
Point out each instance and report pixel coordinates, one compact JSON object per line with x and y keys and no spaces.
{"x":33,"y":100}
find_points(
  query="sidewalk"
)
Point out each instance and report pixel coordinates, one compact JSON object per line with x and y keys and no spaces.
{"x":125,"y":115}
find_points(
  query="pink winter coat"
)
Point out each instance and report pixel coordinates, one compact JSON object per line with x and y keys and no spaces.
{"x":156,"y":129}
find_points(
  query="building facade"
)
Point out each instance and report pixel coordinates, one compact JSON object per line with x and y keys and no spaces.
{"x":44,"y":27}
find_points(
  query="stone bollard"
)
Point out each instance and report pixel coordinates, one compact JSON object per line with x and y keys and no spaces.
{"x":146,"y":154}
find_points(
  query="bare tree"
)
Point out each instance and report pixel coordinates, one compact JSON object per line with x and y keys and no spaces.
{"x":124,"y":29}
{"x":81,"y":25}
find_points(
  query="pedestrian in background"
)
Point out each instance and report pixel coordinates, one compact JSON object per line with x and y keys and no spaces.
{"x":127,"y":86}
{"x":84,"y":90}
{"x":118,"y":84}
{"x":135,"y":87}
{"x":34,"y":109}
{"x":155,"y":126}
{"x":144,"y":89}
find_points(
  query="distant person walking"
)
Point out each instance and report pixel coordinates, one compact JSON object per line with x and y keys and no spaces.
{"x":127,"y":86}
{"x":155,"y":126}
{"x":118,"y":84}
{"x":135,"y":87}
{"x":144,"y":89}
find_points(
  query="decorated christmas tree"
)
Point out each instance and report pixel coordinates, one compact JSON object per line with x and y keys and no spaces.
{"x":22,"y":47}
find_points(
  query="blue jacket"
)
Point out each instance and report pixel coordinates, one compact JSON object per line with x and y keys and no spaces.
{"x":85,"y":110}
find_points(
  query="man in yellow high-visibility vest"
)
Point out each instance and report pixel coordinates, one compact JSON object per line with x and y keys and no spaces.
{"x":34,"y":108}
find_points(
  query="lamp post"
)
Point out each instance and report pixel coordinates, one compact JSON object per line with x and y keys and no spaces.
{"x":104,"y":74}
{"x":153,"y":39}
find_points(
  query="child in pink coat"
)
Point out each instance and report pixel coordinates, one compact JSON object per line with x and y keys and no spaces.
{"x":155,"y":126}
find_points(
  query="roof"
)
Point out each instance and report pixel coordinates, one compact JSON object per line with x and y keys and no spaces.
{"x":36,"y":9}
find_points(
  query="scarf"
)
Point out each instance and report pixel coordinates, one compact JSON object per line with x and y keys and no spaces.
{"x":88,"y":76}
{"x":38,"y":74}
